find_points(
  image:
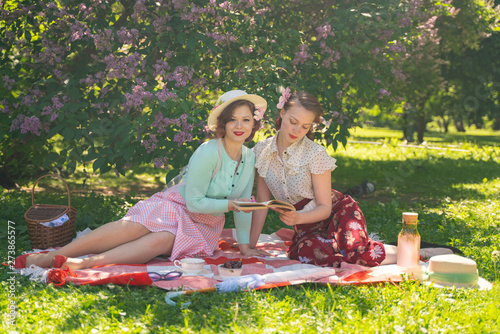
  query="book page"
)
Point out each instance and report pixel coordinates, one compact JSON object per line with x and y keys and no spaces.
{"x":263,"y":205}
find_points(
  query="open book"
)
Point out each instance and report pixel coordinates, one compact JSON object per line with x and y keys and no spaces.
{"x":272,"y":204}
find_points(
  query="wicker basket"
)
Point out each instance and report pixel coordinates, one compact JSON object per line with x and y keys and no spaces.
{"x":41,"y":236}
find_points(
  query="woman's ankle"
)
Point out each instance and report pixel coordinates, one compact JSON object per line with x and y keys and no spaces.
{"x":40,"y":260}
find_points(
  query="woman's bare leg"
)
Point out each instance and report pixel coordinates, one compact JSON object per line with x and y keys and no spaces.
{"x":105,"y":237}
{"x":137,"y":251}
{"x":391,"y":253}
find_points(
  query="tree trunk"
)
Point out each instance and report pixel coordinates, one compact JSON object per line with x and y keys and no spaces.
{"x":407,"y":129}
{"x":420,"y":125}
{"x":459,"y":124}
{"x":444,"y":123}
{"x":496,"y":124}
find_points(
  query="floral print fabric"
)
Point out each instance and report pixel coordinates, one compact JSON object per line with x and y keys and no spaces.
{"x":342,"y":237}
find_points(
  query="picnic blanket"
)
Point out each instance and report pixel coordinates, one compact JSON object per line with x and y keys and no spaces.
{"x":290,"y":271}
{"x":279,"y":270}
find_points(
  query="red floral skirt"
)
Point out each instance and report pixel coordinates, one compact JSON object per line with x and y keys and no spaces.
{"x":342,"y":237}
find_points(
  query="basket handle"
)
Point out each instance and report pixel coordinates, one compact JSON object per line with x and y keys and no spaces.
{"x":53,"y":175}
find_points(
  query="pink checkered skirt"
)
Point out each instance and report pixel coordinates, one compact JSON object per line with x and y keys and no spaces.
{"x":196,"y":234}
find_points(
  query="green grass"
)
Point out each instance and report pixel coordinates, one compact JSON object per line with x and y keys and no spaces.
{"x":455,"y":190}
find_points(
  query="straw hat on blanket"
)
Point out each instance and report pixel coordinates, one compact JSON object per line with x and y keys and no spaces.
{"x":451,"y":270}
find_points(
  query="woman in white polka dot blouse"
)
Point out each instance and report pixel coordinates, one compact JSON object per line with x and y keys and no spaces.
{"x":329,"y":226}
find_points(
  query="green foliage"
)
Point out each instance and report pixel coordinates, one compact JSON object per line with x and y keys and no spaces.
{"x":119,"y":84}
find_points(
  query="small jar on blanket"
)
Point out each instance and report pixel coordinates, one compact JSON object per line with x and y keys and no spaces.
{"x":342,"y":237}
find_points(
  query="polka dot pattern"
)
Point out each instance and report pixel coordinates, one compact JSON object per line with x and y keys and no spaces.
{"x":289,"y":179}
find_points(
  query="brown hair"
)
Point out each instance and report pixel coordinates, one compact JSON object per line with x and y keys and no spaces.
{"x":306,"y":100}
{"x":226,"y":115}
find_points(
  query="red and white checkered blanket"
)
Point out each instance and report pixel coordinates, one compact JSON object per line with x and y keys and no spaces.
{"x":289,"y":272}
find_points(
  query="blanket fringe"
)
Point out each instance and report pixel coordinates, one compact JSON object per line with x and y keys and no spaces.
{"x":35,"y":273}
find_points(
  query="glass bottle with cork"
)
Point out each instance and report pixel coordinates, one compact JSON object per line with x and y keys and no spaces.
{"x":409,"y":242}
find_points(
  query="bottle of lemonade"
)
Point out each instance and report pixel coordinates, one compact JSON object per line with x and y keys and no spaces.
{"x":409,"y":242}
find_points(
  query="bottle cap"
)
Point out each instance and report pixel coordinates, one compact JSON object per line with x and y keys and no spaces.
{"x":410,"y":217}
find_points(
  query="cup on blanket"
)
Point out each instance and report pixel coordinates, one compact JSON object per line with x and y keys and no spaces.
{"x":190,"y":265}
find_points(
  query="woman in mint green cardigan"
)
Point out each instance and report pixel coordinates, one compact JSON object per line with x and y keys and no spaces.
{"x":187,"y":219}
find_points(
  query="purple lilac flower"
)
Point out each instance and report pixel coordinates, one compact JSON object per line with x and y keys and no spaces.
{"x":324,"y":31}
{"x":16,"y":123}
{"x":383,"y":92}
{"x":397,"y":47}
{"x":185,"y":134}
{"x":51,"y":53}
{"x":164,"y":95}
{"x":79,"y":31}
{"x":161,"y":123}
{"x":89,"y":81}
{"x":161,"y":67}
{"x":57,"y":73}
{"x":57,"y":103}
{"x":8,"y":82}
{"x":84,"y":10}
{"x":180,"y":4}
{"x":135,"y":99}
{"x":161,"y":162}
{"x":28,"y":100}
{"x":139,"y":9}
{"x":5,"y":107}
{"x":302,"y":56}
{"x":221,"y":39}
{"x":103,"y":40}
{"x":181,"y":75}
{"x":128,"y":37}
{"x":125,"y":67}
{"x":405,"y":21}
{"x":150,"y":145}
{"x":104,"y":91}
{"x":31,"y":124}
{"x":385,"y":35}
{"x":398,"y":74}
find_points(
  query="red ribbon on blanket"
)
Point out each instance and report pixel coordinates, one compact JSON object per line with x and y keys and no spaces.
{"x":58,"y":276}
{"x":224,"y":245}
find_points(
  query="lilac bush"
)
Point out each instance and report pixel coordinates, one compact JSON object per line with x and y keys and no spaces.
{"x":122,"y":83}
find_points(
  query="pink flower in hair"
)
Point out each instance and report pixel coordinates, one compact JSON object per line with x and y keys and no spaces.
{"x":259,"y":113}
{"x":284,"y":98}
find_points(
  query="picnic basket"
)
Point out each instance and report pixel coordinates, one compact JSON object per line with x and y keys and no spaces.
{"x":43,"y":237}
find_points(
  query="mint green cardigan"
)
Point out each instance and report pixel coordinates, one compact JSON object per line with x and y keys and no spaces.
{"x":204,"y":194}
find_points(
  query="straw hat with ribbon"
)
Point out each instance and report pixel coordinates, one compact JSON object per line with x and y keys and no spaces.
{"x":451,"y":270}
{"x":235,"y":95}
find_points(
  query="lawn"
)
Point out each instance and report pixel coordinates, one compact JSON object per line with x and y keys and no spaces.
{"x":453,"y":182}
